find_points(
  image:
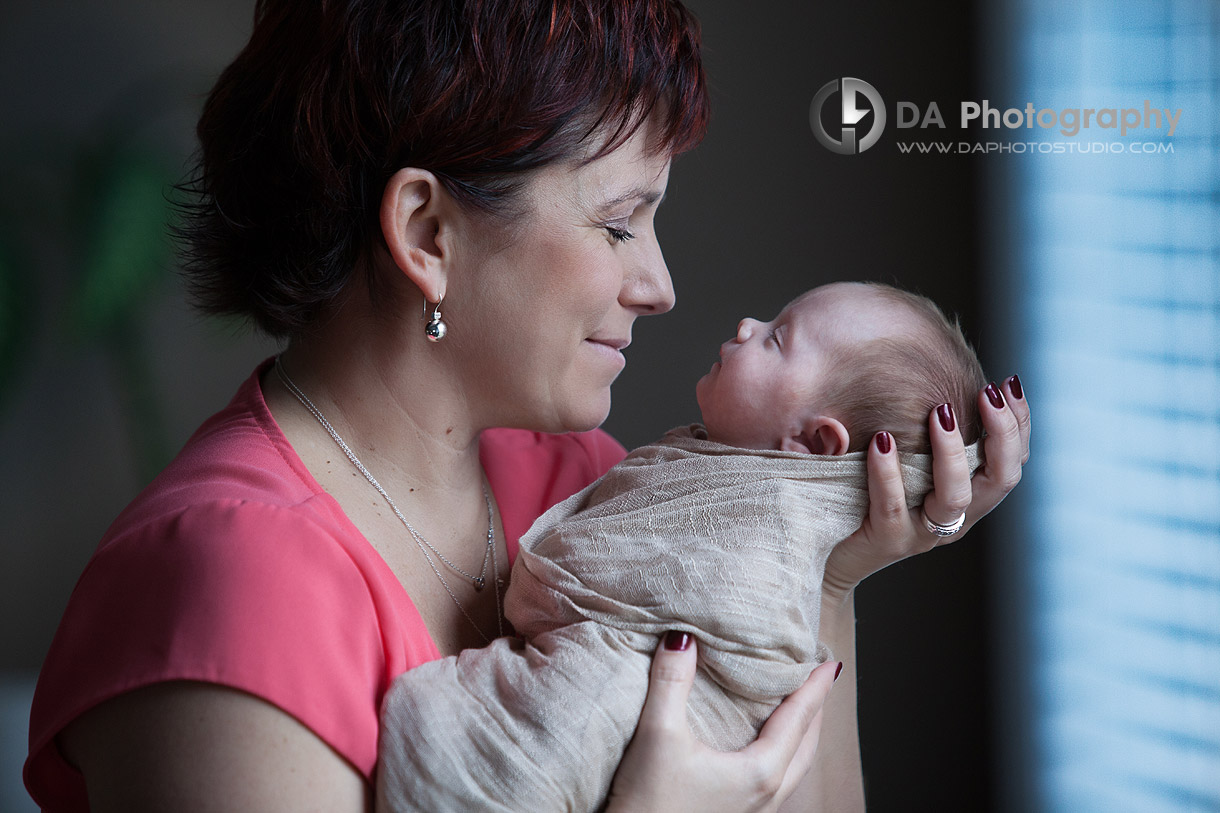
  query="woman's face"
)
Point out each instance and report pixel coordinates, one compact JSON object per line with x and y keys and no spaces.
{"x":542,"y":320}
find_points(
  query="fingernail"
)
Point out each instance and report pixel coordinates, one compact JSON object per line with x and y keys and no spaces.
{"x":1014,"y":384}
{"x":676,"y":641}
{"x":944,"y":412}
{"x":883,"y":442}
{"x":993,"y":395}
{"x":838,"y":670}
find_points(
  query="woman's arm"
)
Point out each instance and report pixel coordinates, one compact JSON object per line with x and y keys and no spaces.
{"x":836,"y":780}
{"x":890,"y":533}
{"x":195,"y":747}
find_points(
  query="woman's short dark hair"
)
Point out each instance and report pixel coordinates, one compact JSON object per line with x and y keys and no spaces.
{"x":331,"y":97}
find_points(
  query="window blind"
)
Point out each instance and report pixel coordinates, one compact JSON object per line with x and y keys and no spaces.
{"x":1118,"y":342}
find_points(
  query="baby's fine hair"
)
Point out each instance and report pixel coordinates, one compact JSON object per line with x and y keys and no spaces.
{"x":892,"y":384}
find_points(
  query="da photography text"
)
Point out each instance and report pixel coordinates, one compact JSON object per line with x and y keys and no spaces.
{"x":846,"y":128}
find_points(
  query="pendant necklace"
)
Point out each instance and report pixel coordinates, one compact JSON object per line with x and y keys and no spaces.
{"x":425,"y":547}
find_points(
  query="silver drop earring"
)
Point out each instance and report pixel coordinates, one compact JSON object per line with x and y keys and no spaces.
{"x":436,"y":329}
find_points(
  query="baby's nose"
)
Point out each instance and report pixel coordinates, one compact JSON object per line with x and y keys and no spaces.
{"x":745,"y":329}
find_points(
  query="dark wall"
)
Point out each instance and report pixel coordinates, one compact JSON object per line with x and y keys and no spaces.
{"x":759,"y":212}
{"x":94,"y":94}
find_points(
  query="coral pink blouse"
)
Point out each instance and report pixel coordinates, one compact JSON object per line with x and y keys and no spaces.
{"x":235,"y":567}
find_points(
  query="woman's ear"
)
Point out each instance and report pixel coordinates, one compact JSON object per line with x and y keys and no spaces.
{"x":413,"y":211}
{"x":820,"y":435}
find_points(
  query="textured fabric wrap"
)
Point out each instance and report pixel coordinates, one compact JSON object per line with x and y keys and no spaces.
{"x":685,"y":534}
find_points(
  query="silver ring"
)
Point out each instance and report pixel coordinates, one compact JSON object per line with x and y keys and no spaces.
{"x":943,"y":530}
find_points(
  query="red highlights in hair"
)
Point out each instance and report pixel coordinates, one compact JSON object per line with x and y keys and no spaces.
{"x":329,"y":99}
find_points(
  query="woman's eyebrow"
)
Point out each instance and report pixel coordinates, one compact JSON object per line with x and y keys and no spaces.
{"x":643,"y":195}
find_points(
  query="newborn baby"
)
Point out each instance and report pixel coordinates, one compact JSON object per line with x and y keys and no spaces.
{"x":721,"y":530}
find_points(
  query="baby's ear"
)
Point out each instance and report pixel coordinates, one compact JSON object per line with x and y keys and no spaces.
{"x":820,"y":435}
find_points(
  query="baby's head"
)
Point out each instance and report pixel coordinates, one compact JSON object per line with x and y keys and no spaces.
{"x":839,"y":364}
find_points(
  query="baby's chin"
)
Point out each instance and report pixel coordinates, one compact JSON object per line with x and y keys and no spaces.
{"x":728,"y":437}
{"x":699,"y":398}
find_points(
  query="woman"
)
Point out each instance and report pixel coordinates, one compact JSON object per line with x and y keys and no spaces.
{"x":446,"y":210}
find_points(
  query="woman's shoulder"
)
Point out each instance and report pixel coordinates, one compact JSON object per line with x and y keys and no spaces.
{"x":235,"y":493}
{"x":242,"y":594}
{"x":236,"y":569}
{"x":238,"y":454}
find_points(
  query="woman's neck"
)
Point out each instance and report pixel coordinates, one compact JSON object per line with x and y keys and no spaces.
{"x":401,"y":413}
{"x":391,"y":400}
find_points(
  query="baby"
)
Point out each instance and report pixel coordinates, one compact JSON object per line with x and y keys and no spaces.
{"x":720,"y":530}
{"x":839,"y":364}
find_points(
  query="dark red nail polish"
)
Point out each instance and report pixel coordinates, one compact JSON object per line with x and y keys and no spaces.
{"x":883,"y":442}
{"x":838,"y":670}
{"x":1014,"y":384}
{"x":677,"y":641}
{"x":994,"y":396}
{"x":944,"y":413}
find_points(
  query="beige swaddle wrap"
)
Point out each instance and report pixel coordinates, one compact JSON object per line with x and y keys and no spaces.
{"x":685,"y":534}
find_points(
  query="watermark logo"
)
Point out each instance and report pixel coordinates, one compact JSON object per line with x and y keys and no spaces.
{"x":858,"y":100}
{"x":851,"y":114}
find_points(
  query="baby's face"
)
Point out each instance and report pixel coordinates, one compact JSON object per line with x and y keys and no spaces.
{"x":766,"y":385}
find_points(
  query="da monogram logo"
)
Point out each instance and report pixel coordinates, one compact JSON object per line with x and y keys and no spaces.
{"x":850,"y":115}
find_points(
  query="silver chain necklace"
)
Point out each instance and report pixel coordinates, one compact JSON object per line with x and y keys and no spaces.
{"x":489,"y":553}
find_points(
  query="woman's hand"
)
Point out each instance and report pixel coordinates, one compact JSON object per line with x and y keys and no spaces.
{"x":892,"y":532}
{"x":666,"y":768}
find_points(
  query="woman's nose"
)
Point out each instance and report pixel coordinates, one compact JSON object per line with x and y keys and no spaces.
{"x":649,"y":290}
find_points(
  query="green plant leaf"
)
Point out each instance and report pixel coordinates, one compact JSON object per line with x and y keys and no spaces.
{"x":128,"y":251}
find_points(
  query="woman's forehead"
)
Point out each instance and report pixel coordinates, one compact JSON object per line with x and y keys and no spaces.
{"x":630,"y":173}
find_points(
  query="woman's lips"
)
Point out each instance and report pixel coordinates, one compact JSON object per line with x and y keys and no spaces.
{"x":610,"y":348}
{"x":615,"y":344}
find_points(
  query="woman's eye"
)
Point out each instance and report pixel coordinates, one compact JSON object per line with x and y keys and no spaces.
{"x":618,"y":235}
